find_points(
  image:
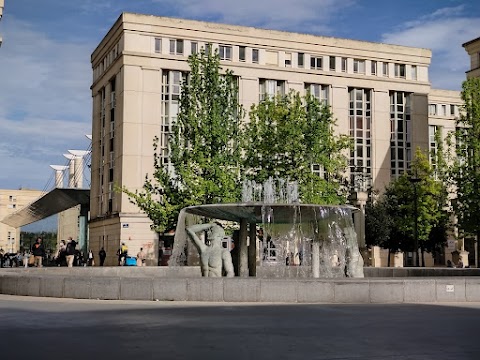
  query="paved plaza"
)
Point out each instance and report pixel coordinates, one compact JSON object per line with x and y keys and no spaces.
{"x":49,"y":328}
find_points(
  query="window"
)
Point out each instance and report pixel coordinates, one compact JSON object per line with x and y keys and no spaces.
{"x":453,"y":109}
{"x":320,"y":92}
{"x":373,"y":68}
{"x":400,"y":71}
{"x":176,"y":47}
{"x":433,"y":133}
{"x":301,"y":60}
{"x":413,"y":72}
{"x":385,"y":69}
{"x":225,"y":52}
{"x":288,"y":63}
{"x":271,"y":88}
{"x":193,"y":47}
{"x":332,"y":63}
{"x":316,"y":63}
{"x":158,"y":45}
{"x":400,"y":133}
{"x":241,"y":53}
{"x":360,"y":122}
{"x":255,"y":56}
{"x":318,"y":170}
{"x":443,"y":110}
{"x":344,"y":65}
{"x":12,"y":198}
{"x":171,"y":90}
{"x":432,"y":109}
{"x":358,"y":66}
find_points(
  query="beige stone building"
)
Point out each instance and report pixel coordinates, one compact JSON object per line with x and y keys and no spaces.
{"x":380,"y":95}
{"x":12,"y":201}
{"x":472,"y":47}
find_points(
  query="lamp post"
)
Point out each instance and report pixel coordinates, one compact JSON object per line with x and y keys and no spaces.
{"x":415,"y":180}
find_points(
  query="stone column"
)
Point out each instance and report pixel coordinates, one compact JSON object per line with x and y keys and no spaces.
{"x":243,"y":249}
{"x":252,"y":250}
{"x":59,"y":175}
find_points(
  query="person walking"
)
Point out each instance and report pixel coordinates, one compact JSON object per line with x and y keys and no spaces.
{"x":102,"y":255}
{"x":141,"y":258}
{"x":70,"y":251}
{"x":38,"y":252}
{"x":90,"y":261}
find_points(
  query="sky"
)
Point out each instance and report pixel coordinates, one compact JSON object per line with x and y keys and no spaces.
{"x":45,"y":71}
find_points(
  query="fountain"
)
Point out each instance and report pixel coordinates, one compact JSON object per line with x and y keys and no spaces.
{"x":289,"y":239}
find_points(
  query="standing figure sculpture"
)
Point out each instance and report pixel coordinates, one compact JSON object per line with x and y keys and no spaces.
{"x":213,"y":257}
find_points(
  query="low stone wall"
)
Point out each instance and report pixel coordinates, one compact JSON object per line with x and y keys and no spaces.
{"x":152,"y":284}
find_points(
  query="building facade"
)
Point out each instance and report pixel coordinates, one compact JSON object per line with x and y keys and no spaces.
{"x":10,"y":202}
{"x":472,"y":47}
{"x":379,"y":94}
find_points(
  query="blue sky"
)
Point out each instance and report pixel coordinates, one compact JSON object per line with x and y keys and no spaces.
{"x":45,"y":73}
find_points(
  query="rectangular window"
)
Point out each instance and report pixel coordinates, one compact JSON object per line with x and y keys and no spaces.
{"x":400,"y":133}
{"x":453,"y":110}
{"x":414,"y":72}
{"x":344,"y":65}
{"x":316,"y":63}
{"x":176,"y":47}
{"x":385,"y":69}
{"x":432,"y":145}
{"x":171,"y":90}
{"x":332,"y":63}
{"x":158,"y":45}
{"x":373,"y":68}
{"x":358,"y":66}
{"x":271,"y":88}
{"x":318,"y":170}
{"x":193,"y":47}
{"x":432,"y":109}
{"x":320,"y":92}
{"x":225,"y":52}
{"x":241,"y":53}
{"x":360,"y":123}
{"x":288,"y":63}
{"x":301,"y":60}
{"x":255,"y":56}
{"x":400,"y":71}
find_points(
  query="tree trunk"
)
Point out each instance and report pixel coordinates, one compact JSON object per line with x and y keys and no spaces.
{"x":423,"y":257}
{"x":388,"y":257}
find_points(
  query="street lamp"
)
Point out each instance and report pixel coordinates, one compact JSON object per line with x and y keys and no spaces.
{"x":415,"y":180}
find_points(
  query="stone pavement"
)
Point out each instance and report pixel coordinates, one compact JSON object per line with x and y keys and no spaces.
{"x":50,"y":328}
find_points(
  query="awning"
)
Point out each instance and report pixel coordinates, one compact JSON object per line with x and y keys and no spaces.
{"x":52,"y":203}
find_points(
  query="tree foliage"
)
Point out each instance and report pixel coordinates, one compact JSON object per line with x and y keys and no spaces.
{"x":396,"y":209}
{"x":204,"y":146}
{"x":465,"y":172}
{"x":286,"y":136}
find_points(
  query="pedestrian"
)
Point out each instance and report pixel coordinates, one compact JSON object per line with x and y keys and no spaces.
{"x":122,"y":254}
{"x":70,"y":251}
{"x":38,"y":251}
{"x":102,"y":255}
{"x":141,"y":257}
{"x":91,"y":261}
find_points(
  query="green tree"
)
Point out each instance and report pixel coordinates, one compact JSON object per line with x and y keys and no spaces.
{"x":416,"y":203}
{"x":465,"y":172}
{"x":204,"y":149}
{"x":288,"y":135}
{"x":378,"y":225}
